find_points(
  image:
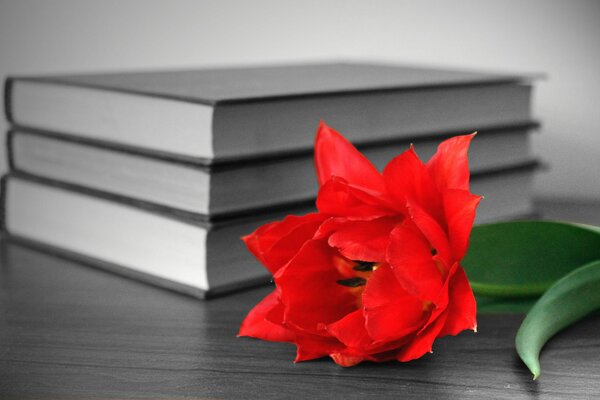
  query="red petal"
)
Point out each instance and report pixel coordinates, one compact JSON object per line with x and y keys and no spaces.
{"x":336,"y":156}
{"x":433,"y":232}
{"x":411,"y":259}
{"x":351,"y":330}
{"x":309,"y":347}
{"x":407,"y":179}
{"x":459,"y":209}
{"x":390,"y":311}
{"x":275,"y":243}
{"x":256,"y":325}
{"x":328,"y":227}
{"x":423,"y":342}
{"x":449,"y":166}
{"x":347,"y":360}
{"x":364,"y":240}
{"x":339,"y":198}
{"x":461,"y":308}
{"x":309,"y":289}
{"x":440,"y":303}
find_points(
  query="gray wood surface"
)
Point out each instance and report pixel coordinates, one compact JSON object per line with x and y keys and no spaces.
{"x":70,"y":331}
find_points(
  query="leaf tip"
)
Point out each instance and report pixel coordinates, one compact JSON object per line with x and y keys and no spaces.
{"x":534,"y":368}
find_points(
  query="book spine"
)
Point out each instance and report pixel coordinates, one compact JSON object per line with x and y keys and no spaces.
{"x":8,"y":86}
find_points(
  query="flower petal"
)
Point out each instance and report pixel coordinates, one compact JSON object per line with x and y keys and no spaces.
{"x":309,"y":347}
{"x":351,"y":330}
{"x":275,"y":243}
{"x":449,"y":166}
{"x":407,"y":179}
{"x":309,"y":289}
{"x":256,"y":324}
{"x":363,"y":240}
{"x":414,"y":264}
{"x":422,"y":334}
{"x":347,"y":359}
{"x":440,"y":303}
{"x":433,"y":232}
{"x":390,"y":311}
{"x":459,"y":209}
{"x":339,"y":198}
{"x":462,"y":308}
{"x":423,"y":342}
{"x":336,"y":156}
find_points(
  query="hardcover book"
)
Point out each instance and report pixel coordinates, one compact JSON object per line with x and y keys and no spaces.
{"x":223,"y":190}
{"x":216,"y":115}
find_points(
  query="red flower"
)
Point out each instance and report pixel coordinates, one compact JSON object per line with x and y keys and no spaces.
{"x":374,"y":274}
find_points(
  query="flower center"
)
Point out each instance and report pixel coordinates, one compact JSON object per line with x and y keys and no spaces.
{"x":352,"y":282}
{"x":353,"y":275}
{"x":363,"y":270}
{"x":364,"y":266}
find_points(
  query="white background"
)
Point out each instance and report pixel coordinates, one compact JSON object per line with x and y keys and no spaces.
{"x":558,"y":37}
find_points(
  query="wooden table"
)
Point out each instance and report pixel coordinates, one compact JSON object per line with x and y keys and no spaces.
{"x":69,"y":331}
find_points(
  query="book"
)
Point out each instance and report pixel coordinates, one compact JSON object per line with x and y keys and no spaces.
{"x":222,"y":190}
{"x":219,"y":115}
{"x":198,"y":259}
{"x":173,"y":251}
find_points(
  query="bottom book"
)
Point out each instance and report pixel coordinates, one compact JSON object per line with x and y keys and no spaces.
{"x":192,"y":257}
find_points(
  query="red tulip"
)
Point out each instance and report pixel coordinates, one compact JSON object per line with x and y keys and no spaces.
{"x":374,"y":274}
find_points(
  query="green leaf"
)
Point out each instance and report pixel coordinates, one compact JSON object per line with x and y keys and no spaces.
{"x":570,"y":299}
{"x":523,"y":259}
{"x":503,"y":305}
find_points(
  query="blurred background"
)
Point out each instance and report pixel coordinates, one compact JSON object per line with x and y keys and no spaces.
{"x":557,"y":38}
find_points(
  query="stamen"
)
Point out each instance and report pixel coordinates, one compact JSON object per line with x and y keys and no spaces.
{"x":364,"y":266}
{"x":433,"y":252}
{"x":352,"y":282}
{"x":427,"y":306}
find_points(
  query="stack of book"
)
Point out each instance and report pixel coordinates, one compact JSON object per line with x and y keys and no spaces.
{"x":156,"y":175}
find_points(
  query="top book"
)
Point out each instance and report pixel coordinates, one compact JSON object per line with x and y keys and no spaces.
{"x":217,"y":115}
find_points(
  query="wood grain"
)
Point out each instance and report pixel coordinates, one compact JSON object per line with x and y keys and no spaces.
{"x":70,"y":331}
